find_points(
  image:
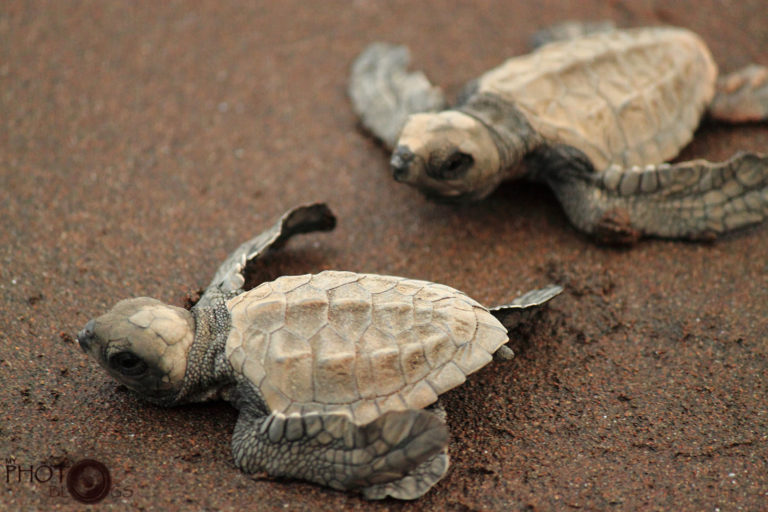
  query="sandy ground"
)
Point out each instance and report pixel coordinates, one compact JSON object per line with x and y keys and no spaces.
{"x":141,"y":142}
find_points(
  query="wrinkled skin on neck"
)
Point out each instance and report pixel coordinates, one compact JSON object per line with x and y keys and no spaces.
{"x":447,"y":155}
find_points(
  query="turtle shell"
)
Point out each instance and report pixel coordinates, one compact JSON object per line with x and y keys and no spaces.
{"x":358,"y":344}
{"x":626,"y":97}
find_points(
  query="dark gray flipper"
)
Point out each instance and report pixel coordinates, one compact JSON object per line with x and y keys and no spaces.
{"x":567,"y":30}
{"x":521,"y":310}
{"x":419,"y":480}
{"x":331,"y":450}
{"x":413,"y":485}
{"x":742,"y":96}
{"x":229,"y":279}
{"x":384,"y":93}
{"x":517,"y":311}
{"x":696,"y":200}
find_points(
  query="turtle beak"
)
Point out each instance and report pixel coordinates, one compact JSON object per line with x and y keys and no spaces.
{"x":401,"y":162}
{"x":85,"y":337}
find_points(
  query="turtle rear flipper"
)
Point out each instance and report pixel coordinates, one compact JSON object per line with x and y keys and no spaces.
{"x":742,"y":96}
{"x":384,"y":93}
{"x":229,"y":278}
{"x":512,"y":314}
{"x":697,"y":200}
{"x":388,"y":454}
{"x":520,"y":310}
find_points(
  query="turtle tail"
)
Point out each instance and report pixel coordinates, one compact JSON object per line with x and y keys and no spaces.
{"x":695,"y":200}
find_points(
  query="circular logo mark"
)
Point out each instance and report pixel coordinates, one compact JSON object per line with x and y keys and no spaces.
{"x":88,"y":481}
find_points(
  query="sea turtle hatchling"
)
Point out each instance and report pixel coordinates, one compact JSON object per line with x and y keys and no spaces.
{"x":594,"y":117}
{"x":336,"y":375}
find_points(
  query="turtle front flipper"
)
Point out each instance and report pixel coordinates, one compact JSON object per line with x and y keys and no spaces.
{"x":742,"y":96}
{"x":696,"y":200}
{"x":398,"y":453}
{"x":413,"y":485}
{"x":384,"y":93}
{"x":229,"y":279}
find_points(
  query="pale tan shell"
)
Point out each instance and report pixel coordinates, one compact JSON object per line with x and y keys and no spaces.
{"x":627,"y":97}
{"x":359,"y":344}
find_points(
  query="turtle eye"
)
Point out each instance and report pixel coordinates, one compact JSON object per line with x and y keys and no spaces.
{"x":128,"y":363}
{"x":455,"y":166}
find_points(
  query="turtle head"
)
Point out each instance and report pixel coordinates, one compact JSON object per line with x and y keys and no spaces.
{"x":447,"y":155}
{"x":143,"y":344}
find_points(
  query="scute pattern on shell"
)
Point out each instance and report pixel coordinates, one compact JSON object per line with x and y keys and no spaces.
{"x":357,"y":344}
{"x":630,"y":97}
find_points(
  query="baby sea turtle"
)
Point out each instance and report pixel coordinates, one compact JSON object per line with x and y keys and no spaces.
{"x":336,"y":375}
{"x":594,"y":117}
